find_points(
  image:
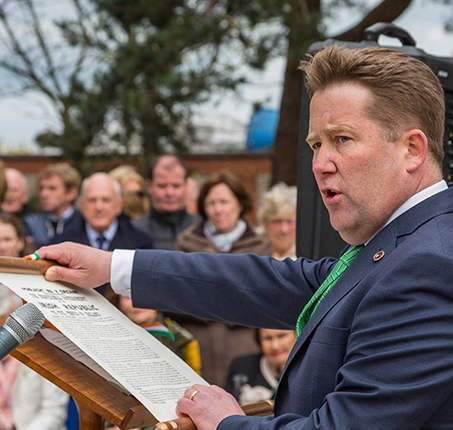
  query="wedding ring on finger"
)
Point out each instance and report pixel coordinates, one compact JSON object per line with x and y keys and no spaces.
{"x":194,"y":393}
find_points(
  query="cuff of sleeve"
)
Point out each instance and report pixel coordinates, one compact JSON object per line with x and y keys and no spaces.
{"x":121,"y":271}
{"x":241,"y":422}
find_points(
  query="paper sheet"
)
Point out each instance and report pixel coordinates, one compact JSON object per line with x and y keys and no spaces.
{"x":137,"y":360}
{"x":61,"y":341}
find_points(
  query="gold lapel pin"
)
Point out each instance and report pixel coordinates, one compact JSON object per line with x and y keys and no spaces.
{"x":378,"y":256}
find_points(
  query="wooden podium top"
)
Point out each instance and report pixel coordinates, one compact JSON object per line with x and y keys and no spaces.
{"x":83,"y":384}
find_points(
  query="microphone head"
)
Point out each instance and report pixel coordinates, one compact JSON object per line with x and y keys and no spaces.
{"x":25,"y":322}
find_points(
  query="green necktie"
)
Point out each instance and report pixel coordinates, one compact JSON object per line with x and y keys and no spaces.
{"x":343,"y":263}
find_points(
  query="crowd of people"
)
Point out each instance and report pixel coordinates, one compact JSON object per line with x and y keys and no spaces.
{"x":373,"y":326}
{"x":121,"y":209}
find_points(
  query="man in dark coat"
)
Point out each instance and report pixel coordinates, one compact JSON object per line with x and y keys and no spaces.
{"x":167,"y":183}
{"x":103,"y":226}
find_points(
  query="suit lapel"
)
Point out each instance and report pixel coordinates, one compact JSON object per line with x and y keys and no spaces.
{"x":84,"y":235}
{"x":117,"y":241}
{"x":360,"y":267}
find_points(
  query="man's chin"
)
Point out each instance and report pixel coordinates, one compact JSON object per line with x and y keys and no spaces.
{"x":346,"y":232}
{"x":354,"y":237}
{"x":170,"y":209}
{"x":99,"y":228}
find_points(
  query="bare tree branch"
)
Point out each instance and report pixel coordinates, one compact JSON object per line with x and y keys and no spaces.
{"x":31,"y":77}
{"x":16,"y":47}
{"x":44,"y":46}
{"x":17,"y":92}
{"x":304,"y":10}
{"x":83,"y":51}
{"x":387,"y":11}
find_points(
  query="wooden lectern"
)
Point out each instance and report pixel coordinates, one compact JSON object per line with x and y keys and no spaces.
{"x":95,"y":398}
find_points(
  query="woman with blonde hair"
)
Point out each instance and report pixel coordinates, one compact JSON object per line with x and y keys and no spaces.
{"x":135,"y":198}
{"x":278,"y":219}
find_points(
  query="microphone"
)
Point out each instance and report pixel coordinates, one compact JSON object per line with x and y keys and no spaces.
{"x":21,"y":326}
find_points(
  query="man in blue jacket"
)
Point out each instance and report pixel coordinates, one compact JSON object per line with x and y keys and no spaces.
{"x":375,"y":345}
{"x":58,"y":188}
{"x":103,"y":225}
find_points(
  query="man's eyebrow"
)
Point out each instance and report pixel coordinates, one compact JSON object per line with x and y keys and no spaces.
{"x":332,"y":130}
{"x":338,"y":129}
{"x":311,"y":138}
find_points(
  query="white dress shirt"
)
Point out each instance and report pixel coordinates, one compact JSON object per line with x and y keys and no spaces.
{"x":122,"y":260}
{"x":108,"y":234}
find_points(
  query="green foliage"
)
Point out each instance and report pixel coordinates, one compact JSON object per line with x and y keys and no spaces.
{"x":124,"y":76}
{"x":161,"y":59}
{"x":138,"y":68}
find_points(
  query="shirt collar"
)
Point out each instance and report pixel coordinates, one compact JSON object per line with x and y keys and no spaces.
{"x":418,"y":198}
{"x":109,"y":234}
{"x":415,"y":200}
{"x":66,"y":215}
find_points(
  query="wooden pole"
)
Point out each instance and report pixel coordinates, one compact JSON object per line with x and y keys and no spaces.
{"x":256,"y":409}
{"x":22,"y":266}
{"x":88,"y":419}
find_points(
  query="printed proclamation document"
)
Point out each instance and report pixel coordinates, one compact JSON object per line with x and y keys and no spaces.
{"x":136,"y":359}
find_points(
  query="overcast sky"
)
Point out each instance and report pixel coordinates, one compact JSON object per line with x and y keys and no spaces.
{"x":21,"y":118}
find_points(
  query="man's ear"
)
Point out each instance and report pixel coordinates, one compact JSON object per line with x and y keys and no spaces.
{"x":119,"y":208}
{"x":416,"y":149}
{"x":81,"y":204}
{"x":149,"y":185}
{"x":72,"y":194}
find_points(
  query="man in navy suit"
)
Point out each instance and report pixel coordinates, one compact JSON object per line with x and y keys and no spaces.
{"x":377,"y":353}
{"x":103,"y":226}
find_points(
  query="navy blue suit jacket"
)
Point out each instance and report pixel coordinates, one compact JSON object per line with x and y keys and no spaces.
{"x":126,"y":237}
{"x":377,"y":353}
{"x":35,"y":225}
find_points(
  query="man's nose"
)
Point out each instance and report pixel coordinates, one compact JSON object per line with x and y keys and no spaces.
{"x":98,"y":205}
{"x":323,"y":161}
{"x":170,"y":191}
{"x":275,"y":344}
{"x":284,"y":227}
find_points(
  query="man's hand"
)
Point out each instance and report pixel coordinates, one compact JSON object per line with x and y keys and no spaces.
{"x":208,"y":406}
{"x":86,"y":267}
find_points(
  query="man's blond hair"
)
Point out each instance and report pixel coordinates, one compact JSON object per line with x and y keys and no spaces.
{"x":70,"y":176}
{"x":406,"y":93}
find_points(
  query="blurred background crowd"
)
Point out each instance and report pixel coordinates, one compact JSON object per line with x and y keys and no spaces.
{"x":164,"y":209}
